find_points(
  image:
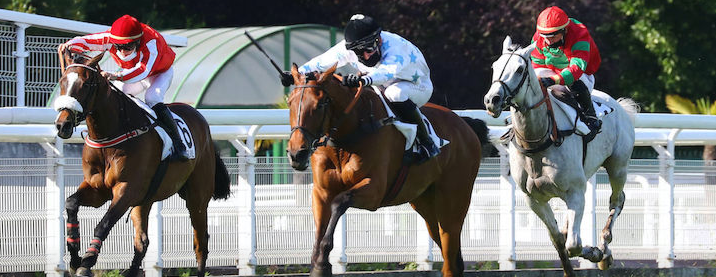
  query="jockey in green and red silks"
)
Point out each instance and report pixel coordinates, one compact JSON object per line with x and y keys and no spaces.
{"x":566,"y":54}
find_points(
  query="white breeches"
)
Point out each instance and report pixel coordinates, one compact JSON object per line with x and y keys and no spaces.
{"x":587,"y":79}
{"x":154,"y":87}
{"x":403,"y":90}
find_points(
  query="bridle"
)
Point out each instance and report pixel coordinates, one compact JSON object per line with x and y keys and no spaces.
{"x":316,"y":140}
{"x":552,"y":135}
{"x":77,"y":116}
{"x":322,"y":104}
{"x":512,"y":92}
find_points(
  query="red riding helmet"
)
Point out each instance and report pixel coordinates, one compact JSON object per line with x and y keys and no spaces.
{"x":552,"y":19}
{"x":125,"y":30}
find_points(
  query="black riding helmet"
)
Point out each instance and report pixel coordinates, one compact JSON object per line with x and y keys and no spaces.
{"x":362,"y":34}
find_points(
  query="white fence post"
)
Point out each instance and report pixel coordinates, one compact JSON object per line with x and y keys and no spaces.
{"x":153,"y":263}
{"x":247,"y":201}
{"x":507,"y":254}
{"x":666,"y":201}
{"x":55,"y":188}
{"x":20,"y":56}
{"x":589,"y":219}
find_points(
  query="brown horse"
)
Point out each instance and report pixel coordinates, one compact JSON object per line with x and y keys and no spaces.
{"x":123,"y":173}
{"x":355,"y":163}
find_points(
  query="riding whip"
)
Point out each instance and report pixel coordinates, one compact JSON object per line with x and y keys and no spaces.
{"x":264,"y":52}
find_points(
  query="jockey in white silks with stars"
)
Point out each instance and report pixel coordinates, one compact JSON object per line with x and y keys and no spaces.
{"x":388,"y":61}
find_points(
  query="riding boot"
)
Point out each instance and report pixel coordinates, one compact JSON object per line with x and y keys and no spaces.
{"x":164,"y":117}
{"x":589,"y":116}
{"x":408,"y":112}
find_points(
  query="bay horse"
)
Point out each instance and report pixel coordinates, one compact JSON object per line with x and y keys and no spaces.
{"x":544,"y":170}
{"x":122,"y":173}
{"x":356,"y":160}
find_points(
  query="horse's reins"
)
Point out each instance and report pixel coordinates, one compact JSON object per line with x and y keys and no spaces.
{"x":552,"y":132}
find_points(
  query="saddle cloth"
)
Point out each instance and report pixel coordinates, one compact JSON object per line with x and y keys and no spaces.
{"x":410,"y":131}
{"x":185,"y":134}
{"x":571,"y":114}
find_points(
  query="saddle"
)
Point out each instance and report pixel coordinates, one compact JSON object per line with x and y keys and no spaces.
{"x":565,"y":96}
{"x":409,"y":130}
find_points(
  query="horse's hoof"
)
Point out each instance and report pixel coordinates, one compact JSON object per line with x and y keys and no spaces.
{"x":83,"y":272}
{"x":321,"y":271}
{"x":605,"y":263}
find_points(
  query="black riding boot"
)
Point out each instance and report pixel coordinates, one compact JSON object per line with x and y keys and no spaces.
{"x":164,"y":117}
{"x":407,"y":111}
{"x":585,"y":100}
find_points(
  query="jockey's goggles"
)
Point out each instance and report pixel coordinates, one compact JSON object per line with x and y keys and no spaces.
{"x":552,"y":34}
{"x":126,"y":47}
{"x":369,"y":44}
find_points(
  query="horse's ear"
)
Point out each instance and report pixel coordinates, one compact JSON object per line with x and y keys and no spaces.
{"x":95,"y":61}
{"x":294,"y":73}
{"x":506,"y":44}
{"x":328,"y":73}
{"x":527,"y":51}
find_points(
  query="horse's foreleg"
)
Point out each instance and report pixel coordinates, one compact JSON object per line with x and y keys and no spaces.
{"x":72,"y":205}
{"x":101,"y":231}
{"x":573,"y":222}
{"x":140,"y":219}
{"x":544,"y":212}
{"x":325,"y":230}
{"x":84,"y":196}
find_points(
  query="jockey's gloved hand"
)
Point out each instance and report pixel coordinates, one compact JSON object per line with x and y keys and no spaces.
{"x":352,"y":80}
{"x":109,"y":75}
{"x":547,"y":82}
{"x":286,"y":78}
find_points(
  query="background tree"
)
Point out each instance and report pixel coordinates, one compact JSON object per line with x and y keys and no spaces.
{"x":664,"y":47}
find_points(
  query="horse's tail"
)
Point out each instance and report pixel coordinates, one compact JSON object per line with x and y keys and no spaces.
{"x":221,"y":179}
{"x":480,"y":129}
{"x":630,"y":106}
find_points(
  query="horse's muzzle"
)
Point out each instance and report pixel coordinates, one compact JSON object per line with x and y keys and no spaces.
{"x":299,"y":159}
{"x":65,"y":123}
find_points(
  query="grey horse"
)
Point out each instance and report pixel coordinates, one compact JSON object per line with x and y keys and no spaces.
{"x":544,"y":169}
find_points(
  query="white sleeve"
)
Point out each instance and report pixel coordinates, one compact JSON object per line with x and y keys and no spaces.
{"x":338,"y":54}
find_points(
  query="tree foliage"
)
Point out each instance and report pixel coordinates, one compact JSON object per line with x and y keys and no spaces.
{"x":667,"y":46}
{"x":648,"y":48}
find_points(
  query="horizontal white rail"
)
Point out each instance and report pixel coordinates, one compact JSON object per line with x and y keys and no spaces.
{"x":28,"y":124}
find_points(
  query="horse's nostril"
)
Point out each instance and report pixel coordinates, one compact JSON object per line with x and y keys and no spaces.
{"x":302,"y":154}
{"x":495,"y":99}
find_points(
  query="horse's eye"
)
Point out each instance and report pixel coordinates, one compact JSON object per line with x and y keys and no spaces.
{"x":519,"y":70}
